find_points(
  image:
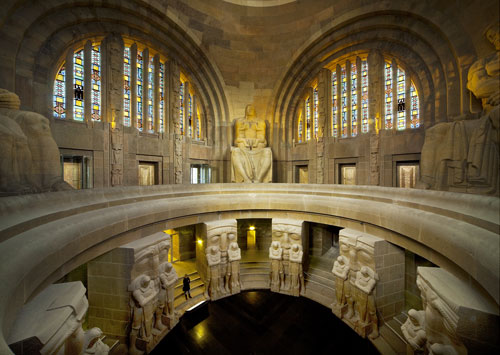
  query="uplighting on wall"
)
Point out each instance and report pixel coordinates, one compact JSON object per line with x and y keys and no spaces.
{"x":200,"y":242}
{"x":252,"y":228}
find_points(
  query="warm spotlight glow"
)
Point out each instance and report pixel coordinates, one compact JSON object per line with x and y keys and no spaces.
{"x":252,"y":228}
{"x":169,"y":231}
{"x":200,"y":242}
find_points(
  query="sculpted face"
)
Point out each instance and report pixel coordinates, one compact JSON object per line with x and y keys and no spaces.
{"x":145,"y":281}
{"x":493,"y":35}
{"x":250,"y":111}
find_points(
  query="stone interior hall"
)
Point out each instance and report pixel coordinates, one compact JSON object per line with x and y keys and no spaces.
{"x":249,"y":177}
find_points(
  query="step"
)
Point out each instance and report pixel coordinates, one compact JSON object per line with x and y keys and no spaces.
{"x":325,"y":274}
{"x":194,"y":285}
{"x":192,"y":276}
{"x":392,"y":339}
{"x":180,"y":300}
{"x":395,"y":326}
{"x":321,"y":290}
{"x":185,"y":305}
{"x":194,"y":290}
{"x":320,"y":279}
{"x":401,"y":318}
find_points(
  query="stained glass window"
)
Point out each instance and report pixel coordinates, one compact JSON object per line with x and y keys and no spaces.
{"x":316,"y":111}
{"x":388,"y":95}
{"x":364,"y":96}
{"x":139,"y":90}
{"x":60,"y":94}
{"x":96,"y":83}
{"x":198,"y":126}
{"x":401,"y":99}
{"x":78,"y":82}
{"x":190,"y":120}
{"x":301,"y":128}
{"x":415,"y":117}
{"x":334,"y":104}
{"x":151,"y":90}
{"x":126,"y":87}
{"x":344,"y":101}
{"x":308,"y":118}
{"x":354,"y":100}
{"x":162,"y":95}
{"x":181,"y":108}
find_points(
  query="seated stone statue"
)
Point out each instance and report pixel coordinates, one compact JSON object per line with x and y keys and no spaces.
{"x":463,"y":156}
{"x":251,"y":160}
{"x":30,"y":156}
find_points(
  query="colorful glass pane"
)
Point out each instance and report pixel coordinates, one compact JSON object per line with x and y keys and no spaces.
{"x":364,"y":96}
{"x":126,"y":87}
{"x":301,"y":129}
{"x":401,"y":99}
{"x":59,"y":97}
{"x":334,"y":104}
{"x":96,"y":83}
{"x":140,"y":66}
{"x":308,"y":118}
{"x":198,"y":126}
{"x":415,"y":114}
{"x":343,"y":80}
{"x":181,"y":108}
{"x":78,"y":82}
{"x":316,"y":111}
{"x":388,"y":95}
{"x":190,"y":120}
{"x":354,"y":100}
{"x":151,"y":90}
{"x":162,"y":95}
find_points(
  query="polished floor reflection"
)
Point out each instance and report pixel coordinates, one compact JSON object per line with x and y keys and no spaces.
{"x":262,"y":322}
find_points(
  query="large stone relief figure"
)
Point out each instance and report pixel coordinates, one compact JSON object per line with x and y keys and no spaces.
{"x":30,"y":157}
{"x":168,"y":279}
{"x":251,"y":159}
{"x":223,"y":256}
{"x":341,"y":272}
{"x":463,"y":156}
{"x":285,"y":234}
{"x":143,"y":310}
{"x":51,"y":323}
{"x":414,"y":331}
{"x":366,"y":279}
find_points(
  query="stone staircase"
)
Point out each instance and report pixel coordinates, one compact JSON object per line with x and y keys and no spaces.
{"x":320,"y":286}
{"x":197,"y":291}
{"x":392,"y":334}
{"x":254,"y":275}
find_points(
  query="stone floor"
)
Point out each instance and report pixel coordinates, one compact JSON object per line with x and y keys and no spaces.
{"x":264,"y":323}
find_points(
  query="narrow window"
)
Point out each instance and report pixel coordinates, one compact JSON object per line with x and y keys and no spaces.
{"x":139,"y":90}
{"x":388,"y":95}
{"x":316,"y":111}
{"x":151,"y":90}
{"x":415,"y":120}
{"x":401,"y":99}
{"x":354,"y":100}
{"x":78,"y":82}
{"x":364,"y":96}
{"x":126,"y":87}
{"x":334,"y":104}
{"x":162,"y":96}
{"x":344,"y":101}
{"x":59,"y":100}
{"x":96,"y":83}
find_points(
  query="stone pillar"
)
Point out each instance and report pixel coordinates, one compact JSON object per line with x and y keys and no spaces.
{"x":112,"y":278}
{"x":222,"y":277}
{"x":87,"y":82}
{"x":287,"y":275}
{"x":70,"y":85}
{"x":146,"y":120}
{"x":324,"y":114}
{"x":133,"y":85}
{"x":114,"y":80}
{"x":366,"y":257}
{"x":156,"y":93}
{"x":116,"y":152}
{"x":104,"y":81}
{"x":338,"y":70}
{"x":174,"y":104}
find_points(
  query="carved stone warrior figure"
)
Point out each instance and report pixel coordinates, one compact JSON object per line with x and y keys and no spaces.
{"x":251,"y":159}
{"x":92,"y":343}
{"x":168,"y":278}
{"x":275,"y":254}
{"x":341,"y":272}
{"x":143,"y":308}
{"x":296,"y":274}
{"x":463,"y":156}
{"x":366,"y":280}
{"x":286,"y":232}
{"x":234,"y":254}
{"x":213,"y":277}
{"x":414,"y":330}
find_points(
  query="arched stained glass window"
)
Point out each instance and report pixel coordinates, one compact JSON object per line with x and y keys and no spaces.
{"x":151,"y":89}
{"x":190,"y":120}
{"x":308,"y":118}
{"x":401,"y":99}
{"x":344,"y":101}
{"x":78,"y":82}
{"x":96,"y":83}
{"x":59,"y":97}
{"x":126,"y":87}
{"x":198,"y":118}
{"x":388,"y":95}
{"x":415,"y":119}
{"x":334,"y":104}
{"x":162,"y":96}
{"x":364,"y":96}
{"x":181,"y":108}
{"x":315,"y":111}
{"x":354,"y":100}
{"x":140,"y":107}
{"x":300,"y":132}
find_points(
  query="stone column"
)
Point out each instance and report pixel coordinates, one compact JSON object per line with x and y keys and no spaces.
{"x":174,"y":104}
{"x":114,"y":80}
{"x":375,"y":90}
{"x":87,"y":82}
{"x":133,"y":85}
{"x":156,"y":93}
{"x":104,"y":81}
{"x":324,"y":114}
{"x":70,"y":85}
{"x":339,"y":100}
{"x":146,"y":125}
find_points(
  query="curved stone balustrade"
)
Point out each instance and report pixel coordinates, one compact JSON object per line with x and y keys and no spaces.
{"x":45,"y":236}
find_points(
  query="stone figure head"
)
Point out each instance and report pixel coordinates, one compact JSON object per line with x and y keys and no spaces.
{"x":416,"y":317}
{"x":342,"y":260}
{"x":168,"y":267}
{"x":295,"y":248}
{"x":493,"y":35}
{"x":275,"y":245}
{"x":250,"y":111}
{"x":145,"y":280}
{"x":233,"y":246}
{"x":214,"y":250}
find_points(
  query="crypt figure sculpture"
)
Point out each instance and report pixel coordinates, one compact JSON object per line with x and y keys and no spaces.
{"x":213,"y":277}
{"x":275,"y":254}
{"x":234,"y":254}
{"x":251,"y":159}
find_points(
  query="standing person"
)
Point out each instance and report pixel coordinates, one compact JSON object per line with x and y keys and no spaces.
{"x":186,"y":287}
